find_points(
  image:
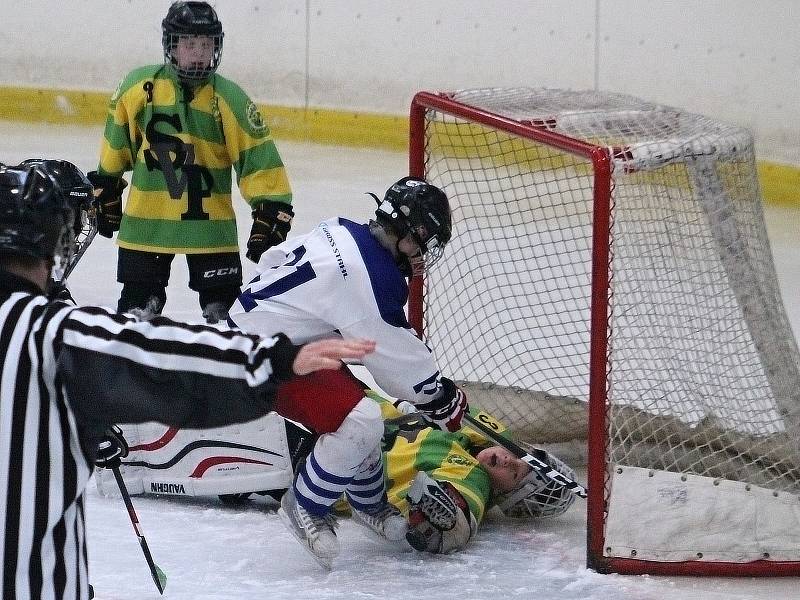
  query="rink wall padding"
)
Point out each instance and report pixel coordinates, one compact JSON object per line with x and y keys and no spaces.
{"x":779,"y":182}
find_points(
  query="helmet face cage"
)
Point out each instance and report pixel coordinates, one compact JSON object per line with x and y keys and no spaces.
{"x":537,"y":497}
{"x":187,"y":20}
{"x":84,"y":224}
{"x":434,"y":249}
{"x":65,"y":249}
{"x":421,"y":210}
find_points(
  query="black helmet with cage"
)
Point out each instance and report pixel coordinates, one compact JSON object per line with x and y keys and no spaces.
{"x":414,"y":207}
{"x":36,"y":217}
{"x":76,"y":188}
{"x":186,"y":19}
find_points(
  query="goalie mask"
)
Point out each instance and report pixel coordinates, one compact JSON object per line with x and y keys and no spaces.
{"x":36,"y":217}
{"x":192,"y":40}
{"x":78,"y":191}
{"x":537,"y":497}
{"x":414,"y":207}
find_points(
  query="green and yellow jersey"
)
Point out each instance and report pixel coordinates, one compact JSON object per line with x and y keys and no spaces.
{"x":181,"y":145}
{"x":415,"y":446}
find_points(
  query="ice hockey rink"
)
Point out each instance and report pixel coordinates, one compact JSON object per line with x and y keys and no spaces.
{"x":212,"y":551}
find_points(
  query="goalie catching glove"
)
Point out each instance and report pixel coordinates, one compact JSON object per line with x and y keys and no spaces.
{"x":447,"y":411}
{"x":107,"y":201}
{"x":112,"y":449}
{"x":271,"y":224}
{"x":439,"y":520}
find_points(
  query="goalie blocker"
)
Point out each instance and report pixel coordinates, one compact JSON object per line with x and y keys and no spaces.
{"x":230,"y":462}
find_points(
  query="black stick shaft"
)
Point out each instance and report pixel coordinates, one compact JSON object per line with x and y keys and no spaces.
{"x":158,"y":575}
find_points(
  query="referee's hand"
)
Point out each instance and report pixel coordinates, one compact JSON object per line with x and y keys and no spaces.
{"x":329,"y":354}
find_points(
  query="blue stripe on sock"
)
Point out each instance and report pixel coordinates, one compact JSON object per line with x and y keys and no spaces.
{"x":319,"y":510}
{"x":326,"y":475}
{"x":365,"y":493}
{"x":358,"y":505}
{"x":323,"y":492}
{"x":371,"y":480}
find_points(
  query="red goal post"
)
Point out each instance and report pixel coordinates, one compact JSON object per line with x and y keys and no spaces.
{"x":616,"y":231}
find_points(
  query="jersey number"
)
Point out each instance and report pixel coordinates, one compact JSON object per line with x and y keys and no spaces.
{"x":300,"y":275}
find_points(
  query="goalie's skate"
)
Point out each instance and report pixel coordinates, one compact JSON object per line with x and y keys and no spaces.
{"x":385,"y":520}
{"x":316,"y":534}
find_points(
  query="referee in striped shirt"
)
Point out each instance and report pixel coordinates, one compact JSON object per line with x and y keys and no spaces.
{"x":69,"y":373}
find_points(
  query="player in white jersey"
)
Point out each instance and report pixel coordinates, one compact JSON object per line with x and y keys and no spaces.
{"x":349,"y":279}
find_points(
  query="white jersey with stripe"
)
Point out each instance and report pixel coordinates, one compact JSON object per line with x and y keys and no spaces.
{"x":338,"y":280}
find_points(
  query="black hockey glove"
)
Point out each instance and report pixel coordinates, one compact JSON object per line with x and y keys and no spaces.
{"x":439,"y":519}
{"x":111,"y":449}
{"x":271,"y":224}
{"x":447,"y":411}
{"x":107,"y":202}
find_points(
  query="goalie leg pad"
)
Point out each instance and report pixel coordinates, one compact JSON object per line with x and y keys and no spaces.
{"x":236,"y":459}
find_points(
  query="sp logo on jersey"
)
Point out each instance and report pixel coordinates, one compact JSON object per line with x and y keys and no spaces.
{"x":171,"y":155}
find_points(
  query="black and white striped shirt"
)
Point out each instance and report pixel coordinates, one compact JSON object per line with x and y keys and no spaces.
{"x":68,"y":373}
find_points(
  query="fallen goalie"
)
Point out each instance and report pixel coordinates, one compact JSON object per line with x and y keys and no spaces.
{"x":443,"y":483}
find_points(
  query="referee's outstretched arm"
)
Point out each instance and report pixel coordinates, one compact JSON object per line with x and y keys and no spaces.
{"x":68,"y":373}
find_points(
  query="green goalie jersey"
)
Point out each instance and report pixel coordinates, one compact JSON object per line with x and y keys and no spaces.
{"x":414,"y":447}
{"x":181,"y":146}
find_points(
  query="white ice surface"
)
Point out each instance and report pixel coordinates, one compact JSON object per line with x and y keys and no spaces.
{"x":210,"y":551}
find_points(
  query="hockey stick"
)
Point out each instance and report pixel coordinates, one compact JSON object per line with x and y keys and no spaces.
{"x":158,"y":575}
{"x":537,"y":464}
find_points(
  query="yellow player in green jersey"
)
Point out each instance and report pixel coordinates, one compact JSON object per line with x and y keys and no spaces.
{"x":181,"y":129}
{"x":445,"y":482}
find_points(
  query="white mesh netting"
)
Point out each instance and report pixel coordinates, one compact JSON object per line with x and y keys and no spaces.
{"x":703,"y":373}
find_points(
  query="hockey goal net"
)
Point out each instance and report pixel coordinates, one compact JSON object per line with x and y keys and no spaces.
{"x":610,"y":279}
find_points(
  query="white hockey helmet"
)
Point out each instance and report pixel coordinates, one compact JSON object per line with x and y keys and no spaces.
{"x":537,"y":497}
